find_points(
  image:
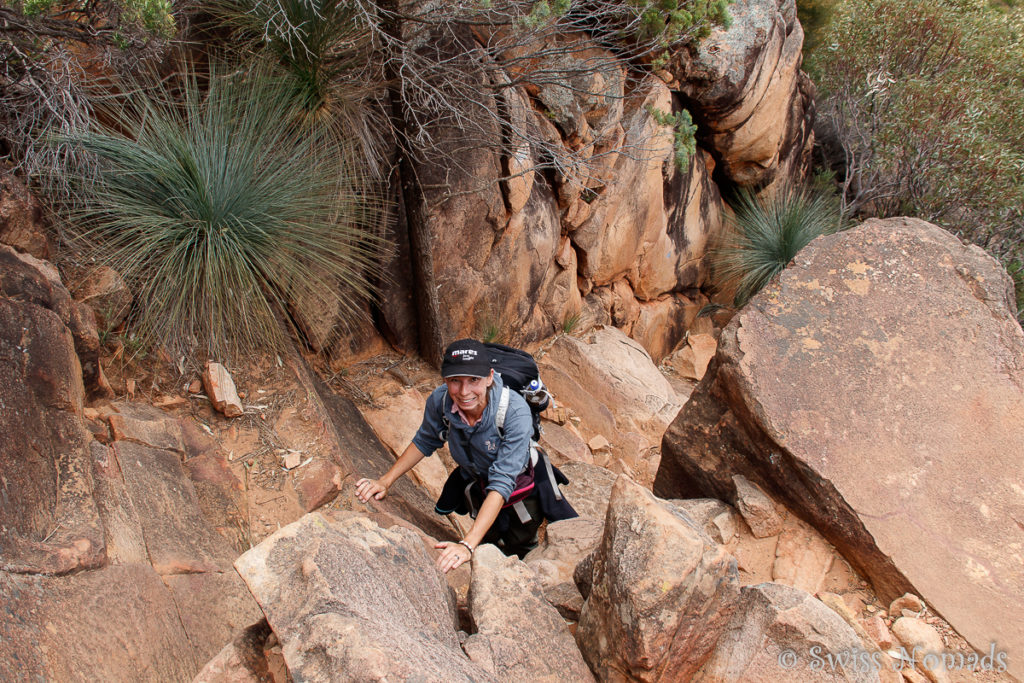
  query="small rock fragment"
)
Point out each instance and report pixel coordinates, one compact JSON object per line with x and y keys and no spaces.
{"x":704,"y":347}
{"x":802,"y":557}
{"x":98,"y":429}
{"x":839,"y":606}
{"x":715,"y":517}
{"x":908,"y":601}
{"x":170,"y":401}
{"x":221,"y":390}
{"x":757,"y":508}
{"x":163,"y":434}
{"x":318,"y":484}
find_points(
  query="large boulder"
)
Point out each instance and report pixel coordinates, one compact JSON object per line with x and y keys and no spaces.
{"x":611,"y":382}
{"x":661,"y":592}
{"x":752,"y":104}
{"x":496,"y":246}
{"x":27,"y":279}
{"x":395,"y":419}
{"x":351,"y":601}
{"x":518,"y":635}
{"x":662,"y":324}
{"x":122,"y":523}
{"x":351,"y":451}
{"x":222,"y":495}
{"x":653,"y":224}
{"x":151,"y":512}
{"x":780,"y":633}
{"x":481,"y":264}
{"x":105,"y":292}
{"x":242,"y":660}
{"x":179,"y":539}
{"x":630,"y":212}
{"x":566,"y":543}
{"x":589,"y":489}
{"x":877,"y":389}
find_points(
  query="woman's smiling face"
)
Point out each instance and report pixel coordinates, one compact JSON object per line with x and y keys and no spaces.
{"x":470,"y":393}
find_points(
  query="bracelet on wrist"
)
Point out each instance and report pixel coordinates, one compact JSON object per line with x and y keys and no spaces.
{"x":467,"y":546}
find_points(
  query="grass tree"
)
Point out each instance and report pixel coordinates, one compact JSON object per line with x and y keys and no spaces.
{"x":324,"y":49}
{"x":764,"y":234}
{"x":221,"y":207}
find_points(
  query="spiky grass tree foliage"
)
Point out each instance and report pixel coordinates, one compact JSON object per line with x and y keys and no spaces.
{"x":324,"y":49}
{"x":763,"y":236}
{"x":220,"y":208}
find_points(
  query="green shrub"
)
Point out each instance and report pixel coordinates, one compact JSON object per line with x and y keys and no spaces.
{"x":153,"y":16}
{"x":763,"y":236}
{"x":921,"y":103}
{"x":490,"y":332}
{"x":814,"y":16}
{"x":45,"y":53}
{"x":684,"y":134}
{"x":220,"y":209}
{"x":1015,"y":269}
{"x":671,"y":21}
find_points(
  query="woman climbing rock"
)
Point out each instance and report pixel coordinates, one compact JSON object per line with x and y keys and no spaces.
{"x":503,"y":480}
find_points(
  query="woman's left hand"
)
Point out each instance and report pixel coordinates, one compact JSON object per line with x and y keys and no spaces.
{"x":452,"y":555}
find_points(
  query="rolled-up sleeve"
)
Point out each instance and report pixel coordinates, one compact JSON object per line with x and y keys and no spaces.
{"x":514,"y":449}
{"x":427,"y":439}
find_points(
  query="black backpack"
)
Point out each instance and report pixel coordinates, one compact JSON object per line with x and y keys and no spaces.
{"x":519,"y":373}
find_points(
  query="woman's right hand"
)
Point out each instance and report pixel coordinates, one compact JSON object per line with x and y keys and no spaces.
{"x":370,"y":488}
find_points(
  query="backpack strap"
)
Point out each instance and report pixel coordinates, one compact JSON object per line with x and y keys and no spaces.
{"x":551,"y":475}
{"x":499,"y":417}
{"x":469,"y":498}
{"x":521,"y":511}
{"x":443,"y":434}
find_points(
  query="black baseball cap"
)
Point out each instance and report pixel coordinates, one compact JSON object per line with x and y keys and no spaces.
{"x":466,"y":358}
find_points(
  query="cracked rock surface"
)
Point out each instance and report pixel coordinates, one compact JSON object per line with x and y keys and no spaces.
{"x":877,"y":389}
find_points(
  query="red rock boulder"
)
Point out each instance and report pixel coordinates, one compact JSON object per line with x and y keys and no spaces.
{"x":877,"y":389}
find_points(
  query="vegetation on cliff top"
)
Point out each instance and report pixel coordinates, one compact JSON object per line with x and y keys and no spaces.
{"x":919,"y":113}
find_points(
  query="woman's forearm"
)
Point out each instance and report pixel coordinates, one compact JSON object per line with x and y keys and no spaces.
{"x":485,"y":518}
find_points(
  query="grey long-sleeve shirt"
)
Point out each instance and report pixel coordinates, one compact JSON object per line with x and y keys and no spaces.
{"x":479,"y":449}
